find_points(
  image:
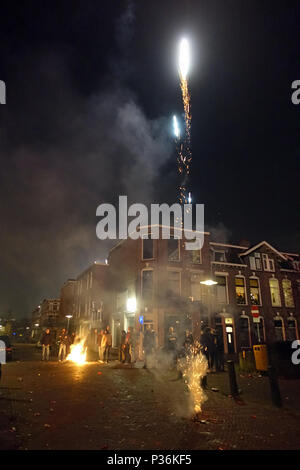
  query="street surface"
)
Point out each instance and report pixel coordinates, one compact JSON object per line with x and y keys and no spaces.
{"x":98,"y":406}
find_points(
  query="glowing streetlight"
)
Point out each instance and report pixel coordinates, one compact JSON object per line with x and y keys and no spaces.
{"x":68,"y":317}
{"x":208,"y":282}
{"x":131,"y":304}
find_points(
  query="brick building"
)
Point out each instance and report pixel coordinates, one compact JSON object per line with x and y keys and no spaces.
{"x":50,"y":314}
{"x":158,"y":282}
{"x":91,"y":294}
{"x":67,"y":298}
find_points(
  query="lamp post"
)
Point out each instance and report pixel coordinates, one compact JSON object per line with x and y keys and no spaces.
{"x":68,"y":317}
{"x":209,"y":283}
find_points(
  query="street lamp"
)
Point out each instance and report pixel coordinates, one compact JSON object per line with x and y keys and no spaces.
{"x":208,"y":283}
{"x":68,"y":317}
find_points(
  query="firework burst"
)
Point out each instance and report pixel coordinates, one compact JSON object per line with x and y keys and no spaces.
{"x":194,"y":368}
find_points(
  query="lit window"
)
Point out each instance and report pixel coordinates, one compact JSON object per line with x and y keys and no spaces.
{"x":288,"y":293}
{"x":254,"y":291}
{"x":240,"y":291}
{"x":173,"y":249}
{"x":221,"y":288}
{"x":174,"y":282}
{"x":148,"y":248}
{"x":196,"y":286}
{"x":275,"y":292}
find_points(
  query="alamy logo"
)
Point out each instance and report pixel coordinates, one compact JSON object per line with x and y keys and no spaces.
{"x":296,"y":94}
{"x":296,"y":354}
{"x":2,"y":92}
{"x":160,"y":222}
{"x":2,"y":352}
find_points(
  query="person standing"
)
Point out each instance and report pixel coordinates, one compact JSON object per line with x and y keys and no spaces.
{"x":45,"y":342}
{"x":122,"y":347}
{"x":63,"y":342}
{"x":128,"y":347}
{"x":108,"y":344}
{"x":148,"y":345}
{"x":172,"y":344}
{"x":101,"y":345}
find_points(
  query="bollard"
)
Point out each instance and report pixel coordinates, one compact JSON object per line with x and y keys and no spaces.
{"x":232,"y":379}
{"x":275,"y":392}
{"x":204,"y":382}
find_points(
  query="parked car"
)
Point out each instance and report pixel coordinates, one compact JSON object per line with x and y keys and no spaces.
{"x":8,"y":347}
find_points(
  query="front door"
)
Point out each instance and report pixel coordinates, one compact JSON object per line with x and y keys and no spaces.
{"x":229,"y":335}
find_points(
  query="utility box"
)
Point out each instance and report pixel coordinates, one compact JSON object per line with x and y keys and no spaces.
{"x":261,"y":357}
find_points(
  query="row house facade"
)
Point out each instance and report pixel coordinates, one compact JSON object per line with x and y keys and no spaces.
{"x":49,"y":313}
{"x":256,"y":298}
{"x":91,"y":293}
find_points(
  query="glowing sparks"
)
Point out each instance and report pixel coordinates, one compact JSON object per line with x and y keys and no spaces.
{"x":78,"y":353}
{"x":176,"y":127}
{"x":194,"y":369}
{"x":184,"y":147}
{"x":184,"y":58}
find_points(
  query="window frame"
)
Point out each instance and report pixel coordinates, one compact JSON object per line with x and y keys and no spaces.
{"x":259,"y":291}
{"x":245,"y":288}
{"x":278,"y":285}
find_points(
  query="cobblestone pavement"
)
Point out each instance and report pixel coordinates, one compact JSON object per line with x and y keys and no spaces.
{"x":94,"y":406}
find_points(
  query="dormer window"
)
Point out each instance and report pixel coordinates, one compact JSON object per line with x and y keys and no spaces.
{"x":255,"y":262}
{"x":268,"y":263}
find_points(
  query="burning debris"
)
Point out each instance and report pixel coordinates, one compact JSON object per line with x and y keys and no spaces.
{"x":194,"y":368}
{"x":78,"y":352}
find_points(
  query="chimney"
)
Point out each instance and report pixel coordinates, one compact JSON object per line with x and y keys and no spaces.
{"x":245,"y":243}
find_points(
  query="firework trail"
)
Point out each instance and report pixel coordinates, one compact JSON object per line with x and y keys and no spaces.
{"x":184,"y":147}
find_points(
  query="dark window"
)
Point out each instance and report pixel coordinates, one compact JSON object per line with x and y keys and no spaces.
{"x":173,"y":249}
{"x":147,"y":248}
{"x":220,"y":256}
{"x":244,"y":332}
{"x":147,"y":285}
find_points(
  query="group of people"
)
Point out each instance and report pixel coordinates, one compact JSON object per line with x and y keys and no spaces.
{"x":210,"y":344}
{"x":64,"y":341}
{"x":136,"y":345}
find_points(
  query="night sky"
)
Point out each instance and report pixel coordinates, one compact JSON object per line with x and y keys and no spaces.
{"x":91,"y":89}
